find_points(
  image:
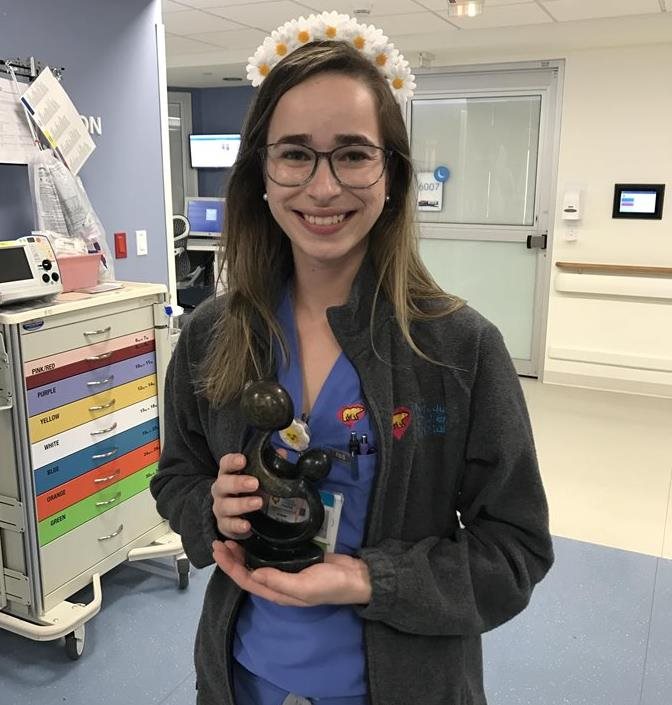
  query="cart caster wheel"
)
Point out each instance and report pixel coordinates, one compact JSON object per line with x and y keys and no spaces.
{"x":74,"y":643}
{"x":182,"y":573}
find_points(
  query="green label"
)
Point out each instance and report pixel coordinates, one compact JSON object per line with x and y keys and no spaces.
{"x":62,"y":522}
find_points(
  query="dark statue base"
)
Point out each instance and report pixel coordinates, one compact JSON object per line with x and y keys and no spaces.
{"x":261,"y":554}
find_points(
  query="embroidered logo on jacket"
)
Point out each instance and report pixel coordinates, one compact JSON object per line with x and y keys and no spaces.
{"x":350,"y":415}
{"x":429,"y":419}
{"x":401,"y":420}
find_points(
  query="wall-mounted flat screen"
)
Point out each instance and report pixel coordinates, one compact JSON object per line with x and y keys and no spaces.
{"x":205,"y":216}
{"x":643,"y":201}
{"x":213,"y":151}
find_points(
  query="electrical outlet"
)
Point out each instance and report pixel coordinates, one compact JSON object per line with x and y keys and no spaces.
{"x":141,"y":242}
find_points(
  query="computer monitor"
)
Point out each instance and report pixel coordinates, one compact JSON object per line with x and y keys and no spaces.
{"x":213,"y":151}
{"x":205,"y":216}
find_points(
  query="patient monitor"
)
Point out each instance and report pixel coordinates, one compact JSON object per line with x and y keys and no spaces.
{"x":28,"y":269}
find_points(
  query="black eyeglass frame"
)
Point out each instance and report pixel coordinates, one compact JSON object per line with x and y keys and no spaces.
{"x":387,"y":154}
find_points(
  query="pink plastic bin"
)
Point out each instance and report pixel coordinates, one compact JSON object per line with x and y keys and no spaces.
{"x":78,"y":271}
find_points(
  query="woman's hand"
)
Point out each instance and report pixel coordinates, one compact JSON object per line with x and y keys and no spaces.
{"x":227,"y":505}
{"x":340,"y":580}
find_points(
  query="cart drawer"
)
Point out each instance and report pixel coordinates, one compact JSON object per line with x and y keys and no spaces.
{"x":93,"y":336}
{"x":81,"y":549}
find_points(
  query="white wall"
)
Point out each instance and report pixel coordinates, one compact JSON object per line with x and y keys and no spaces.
{"x":616,"y":127}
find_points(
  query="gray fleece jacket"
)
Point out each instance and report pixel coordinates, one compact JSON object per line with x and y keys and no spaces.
{"x":457,"y":532}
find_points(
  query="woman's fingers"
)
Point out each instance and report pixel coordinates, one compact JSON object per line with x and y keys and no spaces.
{"x":230,"y":500}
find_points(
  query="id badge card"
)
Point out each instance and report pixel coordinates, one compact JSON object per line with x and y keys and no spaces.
{"x":293,"y":510}
{"x":326,"y":536}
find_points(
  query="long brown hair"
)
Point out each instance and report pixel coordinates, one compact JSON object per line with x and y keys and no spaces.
{"x":257,"y":256}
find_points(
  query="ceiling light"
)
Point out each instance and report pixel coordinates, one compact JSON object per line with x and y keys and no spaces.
{"x":465,"y":8}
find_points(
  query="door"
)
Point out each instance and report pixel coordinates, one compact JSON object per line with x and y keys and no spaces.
{"x":183,"y":179}
{"x":484,"y":145}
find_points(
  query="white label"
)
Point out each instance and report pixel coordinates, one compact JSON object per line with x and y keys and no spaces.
{"x":430,"y":192}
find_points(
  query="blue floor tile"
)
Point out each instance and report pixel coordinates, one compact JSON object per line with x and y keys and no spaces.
{"x":138,"y":649}
{"x":657,"y":688}
{"x":582,"y":640}
{"x":184,"y":693}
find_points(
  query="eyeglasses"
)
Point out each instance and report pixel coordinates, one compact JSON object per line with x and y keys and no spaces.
{"x":353,"y":165}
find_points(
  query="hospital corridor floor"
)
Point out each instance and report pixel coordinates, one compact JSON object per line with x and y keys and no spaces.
{"x":598,"y":630}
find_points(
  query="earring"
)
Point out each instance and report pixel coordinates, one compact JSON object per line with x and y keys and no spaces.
{"x":265,"y":197}
{"x":387,"y":199}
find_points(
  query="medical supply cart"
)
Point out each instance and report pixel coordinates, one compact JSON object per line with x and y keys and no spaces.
{"x":80,"y":408}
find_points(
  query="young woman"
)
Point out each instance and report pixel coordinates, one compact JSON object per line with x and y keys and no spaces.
{"x":444,"y":526}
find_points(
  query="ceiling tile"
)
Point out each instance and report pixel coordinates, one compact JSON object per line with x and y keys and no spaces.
{"x":176,"y":46}
{"x":248,"y":39}
{"x":417,"y":23}
{"x":494,"y":3}
{"x":207,"y":4}
{"x":167,"y":7}
{"x":194,"y":21}
{"x":441,"y":5}
{"x":266,"y":16}
{"x":378,"y":7}
{"x":502,"y":16}
{"x":568,"y":10}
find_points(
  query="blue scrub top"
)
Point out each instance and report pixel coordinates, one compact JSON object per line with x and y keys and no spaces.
{"x":317,"y":651}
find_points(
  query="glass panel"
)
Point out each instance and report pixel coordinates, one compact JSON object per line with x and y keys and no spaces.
{"x":176,"y":159}
{"x":496,"y":278}
{"x":489,"y":146}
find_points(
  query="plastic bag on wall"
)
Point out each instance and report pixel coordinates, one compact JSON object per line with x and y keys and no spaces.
{"x":60,"y":205}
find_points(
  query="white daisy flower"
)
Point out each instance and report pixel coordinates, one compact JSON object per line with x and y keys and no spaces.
{"x":364,"y":39}
{"x":331,"y":25}
{"x":385,"y":57}
{"x":261,"y":63}
{"x":299,"y":31}
{"x":279,"y":44}
{"x":375,"y":41}
{"x":401,"y":80}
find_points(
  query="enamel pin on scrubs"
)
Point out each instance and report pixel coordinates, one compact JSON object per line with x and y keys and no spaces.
{"x":296,"y":436}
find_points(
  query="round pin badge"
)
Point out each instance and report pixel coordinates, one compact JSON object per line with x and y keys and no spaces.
{"x":296,"y":435}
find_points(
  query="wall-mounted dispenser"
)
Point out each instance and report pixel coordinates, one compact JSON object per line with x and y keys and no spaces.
{"x":571,"y":212}
{"x":571,"y":205}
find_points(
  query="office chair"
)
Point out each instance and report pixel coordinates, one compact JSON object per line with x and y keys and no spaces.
{"x":185,"y":274}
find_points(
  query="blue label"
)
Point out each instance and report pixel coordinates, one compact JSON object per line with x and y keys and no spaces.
{"x":33,"y":325}
{"x":442,"y":173}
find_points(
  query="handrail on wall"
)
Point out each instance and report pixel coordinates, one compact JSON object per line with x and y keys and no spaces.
{"x":593,"y":267}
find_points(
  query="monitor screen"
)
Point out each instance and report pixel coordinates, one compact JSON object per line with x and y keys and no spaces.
{"x":14,"y":265}
{"x":638,"y":202}
{"x":213,"y":151}
{"x":205,"y":216}
{"x":644,"y":201}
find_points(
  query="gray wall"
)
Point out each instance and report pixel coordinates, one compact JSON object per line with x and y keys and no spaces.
{"x":109,"y":53}
{"x":218,"y":111}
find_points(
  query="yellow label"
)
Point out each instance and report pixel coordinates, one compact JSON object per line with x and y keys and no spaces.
{"x":79,"y":412}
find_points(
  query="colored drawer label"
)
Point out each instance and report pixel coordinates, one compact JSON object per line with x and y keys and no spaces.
{"x":47,"y":370}
{"x":95,"y":505}
{"x":51,"y":450}
{"x":107,"y":475}
{"x":93,"y":457}
{"x":81,"y":386}
{"x":80,"y":412}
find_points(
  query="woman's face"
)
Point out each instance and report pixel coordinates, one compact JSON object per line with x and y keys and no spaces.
{"x":327,"y":223}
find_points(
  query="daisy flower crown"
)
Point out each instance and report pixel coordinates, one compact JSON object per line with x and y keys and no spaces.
{"x":369,"y":40}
